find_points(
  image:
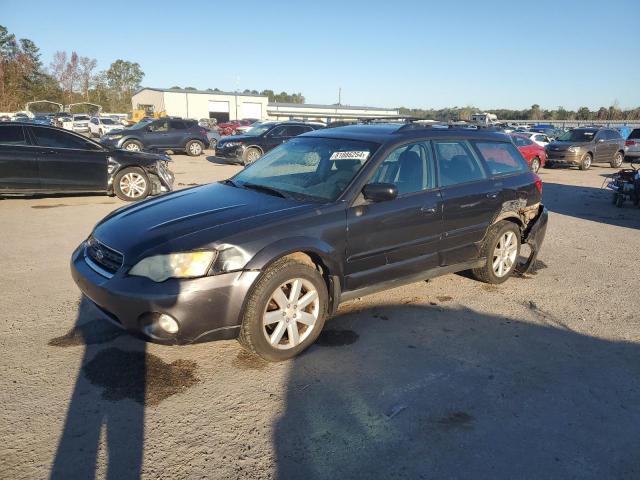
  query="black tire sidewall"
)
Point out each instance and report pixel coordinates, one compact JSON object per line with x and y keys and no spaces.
{"x":583,"y":163}
{"x":490,"y":247}
{"x":120,"y":194}
{"x":257,"y":301}
{"x":615,"y":164}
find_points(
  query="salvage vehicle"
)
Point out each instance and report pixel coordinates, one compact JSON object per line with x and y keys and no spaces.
{"x":265,"y":136}
{"x":267,"y":255}
{"x":167,"y":133}
{"x":533,"y":153}
{"x":585,"y":146}
{"x":37,"y":159}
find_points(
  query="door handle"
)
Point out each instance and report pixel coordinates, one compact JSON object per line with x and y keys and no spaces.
{"x":428,"y":210}
{"x":492,"y":195}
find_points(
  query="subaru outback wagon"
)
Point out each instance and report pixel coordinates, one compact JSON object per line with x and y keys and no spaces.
{"x":267,"y":255}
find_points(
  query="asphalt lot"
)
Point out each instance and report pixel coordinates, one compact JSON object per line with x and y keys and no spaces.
{"x":537,"y":378}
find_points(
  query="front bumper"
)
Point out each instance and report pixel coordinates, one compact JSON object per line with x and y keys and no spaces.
{"x":534,"y":237}
{"x":233,"y":153}
{"x":207,"y":308}
{"x":563,"y":157}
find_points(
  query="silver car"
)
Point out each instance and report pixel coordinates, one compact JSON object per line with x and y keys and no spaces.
{"x":632,"y":145}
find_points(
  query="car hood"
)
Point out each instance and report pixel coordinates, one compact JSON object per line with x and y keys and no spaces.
{"x":558,"y":145}
{"x":126,"y":157}
{"x":240,"y":138}
{"x":189,"y":219}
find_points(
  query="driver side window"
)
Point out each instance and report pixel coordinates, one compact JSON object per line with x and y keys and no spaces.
{"x":408,"y":167}
{"x":278,"y":131}
{"x":159,"y":126}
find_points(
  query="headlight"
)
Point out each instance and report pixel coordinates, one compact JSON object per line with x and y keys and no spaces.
{"x":112,"y":165}
{"x":573,"y":149}
{"x":229,"y":259}
{"x":175,"y":265}
{"x":232,"y":144}
{"x":114,"y":136}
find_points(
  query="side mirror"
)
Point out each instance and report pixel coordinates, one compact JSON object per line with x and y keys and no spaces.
{"x":600,"y":140}
{"x":380,"y":192}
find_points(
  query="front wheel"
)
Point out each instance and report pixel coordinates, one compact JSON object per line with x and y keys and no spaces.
{"x":501,"y":249}
{"x":194,"y":148}
{"x":585,"y":163}
{"x":132,"y":146}
{"x":132,"y":184}
{"x":251,"y":155}
{"x":285,"y":311}
{"x":617,"y":160}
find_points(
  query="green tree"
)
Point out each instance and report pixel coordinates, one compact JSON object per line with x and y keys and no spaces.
{"x":583,"y":113}
{"x":124,"y":78}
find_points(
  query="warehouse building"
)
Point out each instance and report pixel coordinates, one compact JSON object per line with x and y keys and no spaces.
{"x":225,"y":106}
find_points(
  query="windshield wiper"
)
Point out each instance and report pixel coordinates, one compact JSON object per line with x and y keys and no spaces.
{"x":265,"y":189}
{"x":230,"y":182}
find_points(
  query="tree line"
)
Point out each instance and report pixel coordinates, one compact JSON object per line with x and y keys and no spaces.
{"x":69,"y":78}
{"x":612,"y":112}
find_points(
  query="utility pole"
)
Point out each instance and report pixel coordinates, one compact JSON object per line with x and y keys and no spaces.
{"x":339,"y":95}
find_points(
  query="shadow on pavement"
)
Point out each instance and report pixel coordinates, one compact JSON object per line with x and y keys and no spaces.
{"x":589,"y":203}
{"x":221,"y":161}
{"x":428,"y":392}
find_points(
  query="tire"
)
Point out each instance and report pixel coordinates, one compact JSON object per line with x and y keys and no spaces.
{"x":132,"y":146}
{"x":496,"y":234}
{"x":288,"y":337}
{"x":585,"y":163}
{"x":535,"y":165}
{"x":132,"y":184}
{"x":250,"y":155}
{"x":194,"y":148}
{"x":618,"y":158}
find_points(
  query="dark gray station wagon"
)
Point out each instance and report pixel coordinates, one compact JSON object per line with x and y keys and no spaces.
{"x":333,"y":214}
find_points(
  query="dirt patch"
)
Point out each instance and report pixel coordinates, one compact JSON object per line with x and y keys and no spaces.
{"x":90,"y":333}
{"x":50,"y":206}
{"x":456,"y":420}
{"x":337,"y":338}
{"x":489,"y":288}
{"x":444,"y":298}
{"x":139,"y":376}
{"x":246,"y":361}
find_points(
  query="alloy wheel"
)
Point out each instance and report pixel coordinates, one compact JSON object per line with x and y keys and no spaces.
{"x":133,"y":185}
{"x":291,"y":314}
{"x":252,"y":156}
{"x":195,"y":148}
{"x":504,"y":255}
{"x":132,"y":147}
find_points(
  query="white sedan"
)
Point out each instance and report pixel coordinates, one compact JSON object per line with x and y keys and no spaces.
{"x":539,"y":138}
{"x":98,"y":126}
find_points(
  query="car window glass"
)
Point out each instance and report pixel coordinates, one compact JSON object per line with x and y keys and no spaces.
{"x":456,"y":163}
{"x":407,"y":167}
{"x":501,"y":157}
{"x":635,"y":133}
{"x":614,"y":135}
{"x":278,"y":131}
{"x":159,"y":126}
{"x":295,"y":130}
{"x":177,"y":125}
{"x":12,"y":135}
{"x":49,"y":137}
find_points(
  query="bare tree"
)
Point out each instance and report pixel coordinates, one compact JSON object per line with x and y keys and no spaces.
{"x":86,"y":66}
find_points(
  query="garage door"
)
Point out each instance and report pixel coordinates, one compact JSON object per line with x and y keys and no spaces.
{"x":219,"y":110}
{"x":251,"y":110}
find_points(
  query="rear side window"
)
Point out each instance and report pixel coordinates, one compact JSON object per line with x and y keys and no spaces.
{"x":521,"y":142}
{"x":501,"y":158}
{"x":456,"y":163}
{"x":635,"y":133}
{"x":177,"y":125}
{"x":613,"y":135}
{"x":12,"y":135}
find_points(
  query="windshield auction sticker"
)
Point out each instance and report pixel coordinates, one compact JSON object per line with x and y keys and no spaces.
{"x":351,"y":155}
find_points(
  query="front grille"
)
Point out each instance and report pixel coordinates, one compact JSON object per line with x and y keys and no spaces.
{"x":103,"y":256}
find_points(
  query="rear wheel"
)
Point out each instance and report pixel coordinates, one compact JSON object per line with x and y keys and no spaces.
{"x":132,"y":184}
{"x":501,"y":249}
{"x":617,"y":160}
{"x":194,"y":148}
{"x":251,"y":155}
{"x":285,"y":311}
{"x":585,"y":163}
{"x":535,"y":165}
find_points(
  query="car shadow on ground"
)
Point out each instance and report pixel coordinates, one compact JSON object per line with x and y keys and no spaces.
{"x":589,"y":203}
{"x":221,"y":161}
{"x":420,"y":391}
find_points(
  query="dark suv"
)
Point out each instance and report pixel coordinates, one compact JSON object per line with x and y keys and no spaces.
{"x":584,"y":146}
{"x":173,"y":134}
{"x":328,"y":216}
{"x":264,"y":136}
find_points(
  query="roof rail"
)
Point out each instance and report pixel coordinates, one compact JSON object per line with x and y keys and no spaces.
{"x":422,"y":124}
{"x":388,"y":119}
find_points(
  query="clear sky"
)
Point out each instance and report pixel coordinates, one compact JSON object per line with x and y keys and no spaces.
{"x":490,"y":54}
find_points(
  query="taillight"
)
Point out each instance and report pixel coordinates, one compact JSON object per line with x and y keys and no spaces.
{"x":538,"y":183}
{"x":630,"y":143}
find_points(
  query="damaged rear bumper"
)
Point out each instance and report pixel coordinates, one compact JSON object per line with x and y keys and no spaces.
{"x":534,"y":236}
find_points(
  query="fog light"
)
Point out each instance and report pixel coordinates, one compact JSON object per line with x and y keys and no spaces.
{"x":168,"y":323}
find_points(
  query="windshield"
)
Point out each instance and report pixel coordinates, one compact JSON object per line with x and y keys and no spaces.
{"x":577,"y":136}
{"x":257,"y":130}
{"x":107,"y":121}
{"x":141,"y":123}
{"x":316,"y":168}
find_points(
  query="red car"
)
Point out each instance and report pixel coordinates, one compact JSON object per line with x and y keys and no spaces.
{"x":229,"y":128}
{"x":533,"y":153}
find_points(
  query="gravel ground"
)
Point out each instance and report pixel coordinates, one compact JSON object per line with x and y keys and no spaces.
{"x":451,"y":378}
